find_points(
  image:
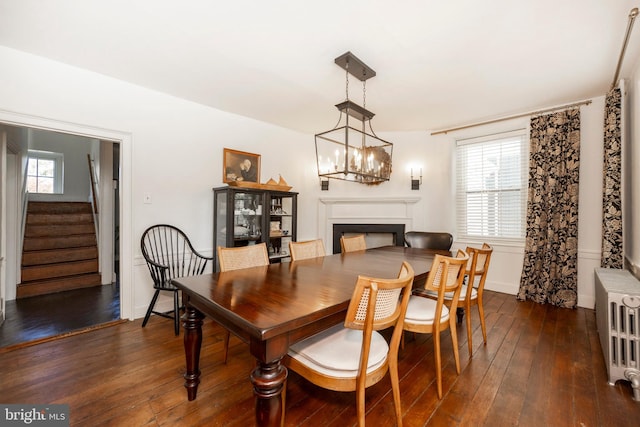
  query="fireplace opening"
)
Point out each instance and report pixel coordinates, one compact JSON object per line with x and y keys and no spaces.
{"x":376,"y":235}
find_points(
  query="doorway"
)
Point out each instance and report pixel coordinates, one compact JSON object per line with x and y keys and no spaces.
{"x":115,"y":298}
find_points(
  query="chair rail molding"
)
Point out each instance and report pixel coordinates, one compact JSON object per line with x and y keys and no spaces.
{"x":363,"y":210}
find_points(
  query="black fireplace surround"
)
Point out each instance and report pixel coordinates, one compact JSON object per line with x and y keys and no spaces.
{"x":397,"y":230}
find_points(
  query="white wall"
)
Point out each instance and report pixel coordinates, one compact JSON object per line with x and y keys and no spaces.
{"x":176,"y":157}
{"x":76,"y":168}
{"x":410,"y":149}
{"x":506,"y":262}
{"x":12,"y":233}
{"x":590,"y":199}
{"x":631,"y":175}
{"x":175,"y":148}
{"x":3,"y":221}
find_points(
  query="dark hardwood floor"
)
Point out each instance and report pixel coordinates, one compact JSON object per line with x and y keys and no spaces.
{"x":542,"y":366}
{"x":39,"y":318}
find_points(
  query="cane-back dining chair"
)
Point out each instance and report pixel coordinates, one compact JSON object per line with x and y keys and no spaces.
{"x":477,"y":268}
{"x":353,"y":243}
{"x":354,"y":355}
{"x":429,"y":316}
{"x":169,"y":254}
{"x":237,"y":258}
{"x":306,"y":249}
{"x":428,"y":240}
{"x":472,"y":295}
{"x":243,"y":257}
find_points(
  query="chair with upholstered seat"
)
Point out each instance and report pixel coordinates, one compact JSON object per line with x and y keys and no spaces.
{"x":354,"y":355}
{"x":353,"y":243}
{"x":237,"y":258}
{"x":470,"y":295}
{"x":478,"y":268}
{"x":169,"y":254}
{"x":428,"y":240}
{"x":307,"y":249}
{"x":429,"y":316}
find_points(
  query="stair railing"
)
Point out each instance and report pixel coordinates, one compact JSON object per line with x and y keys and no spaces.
{"x":93,"y":190}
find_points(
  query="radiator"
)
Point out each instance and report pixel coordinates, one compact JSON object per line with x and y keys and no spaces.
{"x":618,"y":321}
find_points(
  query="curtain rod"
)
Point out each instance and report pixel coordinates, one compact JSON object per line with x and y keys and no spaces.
{"x":515,"y":116}
{"x":632,"y":17}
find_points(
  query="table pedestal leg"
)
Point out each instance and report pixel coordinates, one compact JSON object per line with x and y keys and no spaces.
{"x":192,"y":322}
{"x":268,"y":380}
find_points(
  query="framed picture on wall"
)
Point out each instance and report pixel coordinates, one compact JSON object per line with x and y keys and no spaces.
{"x":240,"y":166}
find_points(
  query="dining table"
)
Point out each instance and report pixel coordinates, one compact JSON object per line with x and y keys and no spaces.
{"x":272,"y":307}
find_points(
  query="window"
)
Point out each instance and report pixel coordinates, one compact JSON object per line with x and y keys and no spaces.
{"x":44,"y":172}
{"x":491,"y":188}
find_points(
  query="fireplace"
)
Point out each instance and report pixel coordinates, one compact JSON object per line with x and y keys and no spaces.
{"x":381,"y":234}
{"x":378,"y":217}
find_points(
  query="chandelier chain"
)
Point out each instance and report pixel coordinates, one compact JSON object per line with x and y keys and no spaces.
{"x":364,"y":94}
{"x":346,"y":68}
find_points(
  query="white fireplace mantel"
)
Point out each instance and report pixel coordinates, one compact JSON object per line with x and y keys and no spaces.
{"x":364,"y":210}
{"x":369,"y":200}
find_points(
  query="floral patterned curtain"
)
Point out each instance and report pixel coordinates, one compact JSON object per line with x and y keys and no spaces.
{"x":611,"y":199}
{"x":549,"y":273}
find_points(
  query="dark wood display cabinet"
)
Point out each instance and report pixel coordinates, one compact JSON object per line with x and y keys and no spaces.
{"x":247,"y":216}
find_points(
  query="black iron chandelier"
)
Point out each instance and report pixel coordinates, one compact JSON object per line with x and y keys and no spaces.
{"x":348,"y":151}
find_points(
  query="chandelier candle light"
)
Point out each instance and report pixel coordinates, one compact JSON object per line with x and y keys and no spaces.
{"x":349,"y":152}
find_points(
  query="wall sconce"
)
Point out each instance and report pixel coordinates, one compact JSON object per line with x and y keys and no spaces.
{"x":415,"y":183}
{"x":324,"y":184}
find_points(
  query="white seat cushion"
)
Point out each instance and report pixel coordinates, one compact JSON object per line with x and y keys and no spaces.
{"x":422,"y":311}
{"x":336,"y":351}
{"x":449,"y":295}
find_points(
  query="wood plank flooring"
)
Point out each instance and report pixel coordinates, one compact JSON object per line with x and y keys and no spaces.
{"x":39,"y":318}
{"x":542,"y":366}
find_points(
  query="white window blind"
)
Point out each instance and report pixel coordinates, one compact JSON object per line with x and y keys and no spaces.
{"x":491,"y":196}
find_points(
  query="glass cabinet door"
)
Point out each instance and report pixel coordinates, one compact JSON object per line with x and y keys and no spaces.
{"x":281,"y":225}
{"x":247,"y":218}
{"x":221,"y":236}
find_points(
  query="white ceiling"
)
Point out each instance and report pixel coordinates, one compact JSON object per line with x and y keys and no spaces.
{"x":438,"y":63}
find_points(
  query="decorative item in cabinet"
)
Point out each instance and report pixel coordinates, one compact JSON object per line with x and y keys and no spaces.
{"x":281,"y":223}
{"x":255,"y":216}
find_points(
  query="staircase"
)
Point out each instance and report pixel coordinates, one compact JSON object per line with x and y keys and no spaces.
{"x":60,"y":250}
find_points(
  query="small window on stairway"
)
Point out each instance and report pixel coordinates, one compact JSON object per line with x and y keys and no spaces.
{"x":45,"y":172}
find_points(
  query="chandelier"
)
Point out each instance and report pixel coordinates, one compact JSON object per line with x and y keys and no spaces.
{"x":348,"y":151}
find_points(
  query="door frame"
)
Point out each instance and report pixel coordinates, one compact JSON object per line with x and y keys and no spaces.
{"x":125,"y":213}
{"x":3,"y":221}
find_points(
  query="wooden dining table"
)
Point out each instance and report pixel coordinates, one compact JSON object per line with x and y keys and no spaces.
{"x":274,"y":306}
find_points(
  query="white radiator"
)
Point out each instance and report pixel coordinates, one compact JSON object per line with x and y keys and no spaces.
{"x":618,"y":321}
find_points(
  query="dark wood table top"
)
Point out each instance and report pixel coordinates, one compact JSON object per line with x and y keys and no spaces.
{"x":263,"y":302}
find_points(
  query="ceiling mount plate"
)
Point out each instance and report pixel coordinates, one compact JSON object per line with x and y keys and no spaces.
{"x":357,"y":68}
